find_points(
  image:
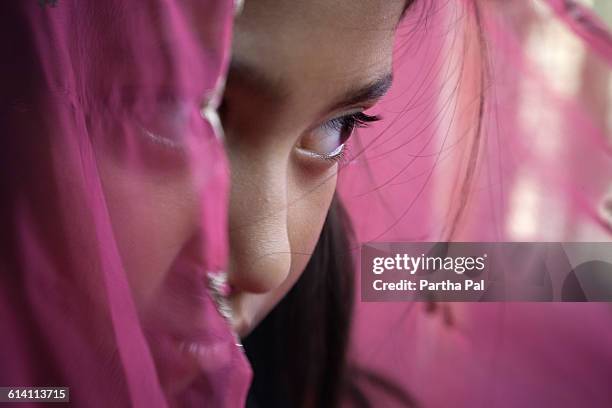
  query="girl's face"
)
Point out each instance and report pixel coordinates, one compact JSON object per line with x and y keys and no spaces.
{"x":302,"y":73}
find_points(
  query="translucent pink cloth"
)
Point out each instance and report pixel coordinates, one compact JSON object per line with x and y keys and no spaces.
{"x":541,"y":170}
{"x":78,"y":75}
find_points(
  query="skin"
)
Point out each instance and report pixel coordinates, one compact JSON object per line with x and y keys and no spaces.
{"x":294,"y":67}
{"x":315,"y":52}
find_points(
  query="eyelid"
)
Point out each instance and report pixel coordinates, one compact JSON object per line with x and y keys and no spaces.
{"x":158,"y":139}
{"x":334,"y":158}
{"x":345,"y":113}
{"x":359,"y":119}
{"x":167,"y":122}
{"x":344,"y":125}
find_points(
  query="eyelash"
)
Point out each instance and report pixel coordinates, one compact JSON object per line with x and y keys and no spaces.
{"x":343,"y":124}
{"x":348,"y":124}
{"x":352,"y":121}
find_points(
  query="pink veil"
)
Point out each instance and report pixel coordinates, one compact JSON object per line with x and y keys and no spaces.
{"x":498,"y":133}
{"x":76,"y":75}
{"x":443,"y":165}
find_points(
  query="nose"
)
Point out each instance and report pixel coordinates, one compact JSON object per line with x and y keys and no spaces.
{"x":260,"y":257}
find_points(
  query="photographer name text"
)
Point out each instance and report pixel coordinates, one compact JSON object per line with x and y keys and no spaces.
{"x":422,"y":264}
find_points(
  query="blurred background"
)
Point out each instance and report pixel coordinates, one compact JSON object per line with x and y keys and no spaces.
{"x":498,"y":128}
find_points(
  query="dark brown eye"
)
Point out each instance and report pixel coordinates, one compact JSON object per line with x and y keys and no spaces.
{"x":328,"y":140}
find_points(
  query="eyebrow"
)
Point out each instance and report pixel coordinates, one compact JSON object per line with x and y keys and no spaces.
{"x":370,"y":92}
{"x":274,"y":89}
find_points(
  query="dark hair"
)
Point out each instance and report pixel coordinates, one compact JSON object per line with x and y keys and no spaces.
{"x":312,"y":322}
{"x":298,"y":352}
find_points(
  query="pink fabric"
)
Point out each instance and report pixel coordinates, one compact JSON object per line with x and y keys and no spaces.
{"x":77,"y":75}
{"x":543,"y":172}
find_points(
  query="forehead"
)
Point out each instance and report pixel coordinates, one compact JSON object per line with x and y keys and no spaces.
{"x":318,"y":46}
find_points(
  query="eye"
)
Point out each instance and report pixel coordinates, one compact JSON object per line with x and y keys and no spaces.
{"x":328,"y":140}
{"x":166,"y":122}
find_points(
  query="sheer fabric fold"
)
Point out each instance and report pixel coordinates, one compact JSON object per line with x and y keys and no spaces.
{"x":496,"y":129}
{"x":87,"y":90}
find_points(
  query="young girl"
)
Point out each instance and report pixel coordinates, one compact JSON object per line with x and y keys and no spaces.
{"x":169,"y":179}
{"x":118,"y":282}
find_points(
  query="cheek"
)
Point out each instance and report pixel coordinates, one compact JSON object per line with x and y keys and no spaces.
{"x":152,"y":216}
{"x":306,"y":216}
